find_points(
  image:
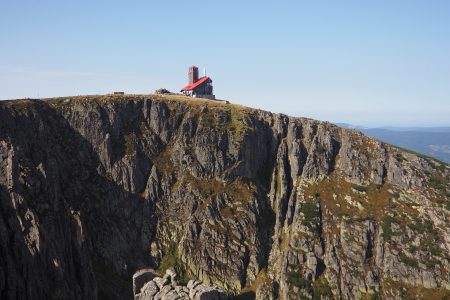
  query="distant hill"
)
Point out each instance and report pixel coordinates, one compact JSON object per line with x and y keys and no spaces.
{"x":432,"y":141}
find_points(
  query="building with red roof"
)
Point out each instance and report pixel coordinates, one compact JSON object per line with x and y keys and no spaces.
{"x":198,"y":87}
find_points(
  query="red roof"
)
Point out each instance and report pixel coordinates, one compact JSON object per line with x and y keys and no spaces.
{"x":190,"y":87}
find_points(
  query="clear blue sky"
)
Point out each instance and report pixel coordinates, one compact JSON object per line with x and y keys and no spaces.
{"x":362,"y":62}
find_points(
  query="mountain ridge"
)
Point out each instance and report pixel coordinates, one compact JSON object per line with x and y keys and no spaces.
{"x":430,"y":141}
{"x":94,"y":188}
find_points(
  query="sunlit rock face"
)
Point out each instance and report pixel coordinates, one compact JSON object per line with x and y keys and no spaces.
{"x":93,"y":189}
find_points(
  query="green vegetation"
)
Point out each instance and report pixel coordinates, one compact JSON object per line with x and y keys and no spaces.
{"x":411,"y":151}
{"x":421,"y":226}
{"x":386,"y":225}
{"x":225,"y":117}
{"x":321,"y":149}
{"x":399,"y":157}
{"x":434,"y":249}
{"x":360,"y":188}
{"x":21,"y":105}
{"x":375,"y":296}
{"x":163,"y":91}
{"x":360,"y":219}
{"x":310,"y":212}
{"x":295,"y":279}
{"x":207,"y":121}
{"x":311,"y":216}
{"x":439,"y":183}
{"x":130,"y":144}
{"x":171,"y":259}
{"x":321,"y":288}
{"x":411,"y":262}
{"x":237,"y":124}
{"x":431,"y":263}
{"x":408,"y":291}
{"x":412,"y":249}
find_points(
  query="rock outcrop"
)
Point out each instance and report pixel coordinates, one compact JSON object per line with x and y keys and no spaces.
{"x":93,"y":189}
{"x":168,"y":287}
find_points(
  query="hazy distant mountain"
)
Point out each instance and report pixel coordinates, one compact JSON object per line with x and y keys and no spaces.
{"x":432,"y":141}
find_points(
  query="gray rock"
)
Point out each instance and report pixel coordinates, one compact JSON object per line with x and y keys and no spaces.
{"x":94,"y":188}
{"x":141,"y":277}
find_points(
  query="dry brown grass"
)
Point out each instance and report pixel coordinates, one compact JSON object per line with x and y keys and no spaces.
{"x":413,"y":292}
{"x":261,"y":279}
{"x":375,"y":199}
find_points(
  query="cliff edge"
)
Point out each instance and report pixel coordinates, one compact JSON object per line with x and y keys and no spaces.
{"x":94,"y":188}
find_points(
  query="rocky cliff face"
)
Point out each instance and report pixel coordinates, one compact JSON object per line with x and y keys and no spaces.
{"x":260,"y":204}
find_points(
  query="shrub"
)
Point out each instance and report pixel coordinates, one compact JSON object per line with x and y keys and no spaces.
{"x":421,"y":226}
{"x":438,"y":183}
{"x":311,"y":216}
{"x":207,"y":121}
{"x":408,"y":261}
{"x":360,"y":188}
{"x":435,"y":250}
{"x":321,"y":149}
{"x":386,"y":226}
{"x":321,"y":288}
{"x":431,"y":263}
{"x":399,"y":157}
{"x":375,"y":296}
{"x":130,"y":144}
{"x":162,"y":91}
{"x":412,"y":249}
{"x":295,"y":279}
{"x":310,"y":212}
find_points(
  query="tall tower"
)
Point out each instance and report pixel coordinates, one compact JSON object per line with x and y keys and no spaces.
{"x":193,"y":74}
